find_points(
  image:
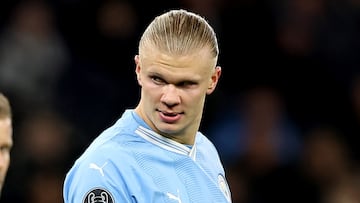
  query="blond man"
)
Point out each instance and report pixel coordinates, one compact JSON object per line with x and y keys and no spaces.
{"x":155,"y":152}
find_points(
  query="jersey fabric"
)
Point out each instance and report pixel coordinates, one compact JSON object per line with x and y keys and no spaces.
{"x":129,"y":162}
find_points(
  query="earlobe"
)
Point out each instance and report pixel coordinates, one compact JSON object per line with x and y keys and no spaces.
{"x":210,"y":89}
{"x":138,"y":74}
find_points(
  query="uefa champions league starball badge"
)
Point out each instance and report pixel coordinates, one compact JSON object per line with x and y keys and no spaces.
{"x":98,"y":195}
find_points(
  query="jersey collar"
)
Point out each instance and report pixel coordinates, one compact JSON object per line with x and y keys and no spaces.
{"x":165,"y":142}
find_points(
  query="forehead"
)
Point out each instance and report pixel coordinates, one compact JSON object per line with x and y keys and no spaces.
{"x":195,"y":63}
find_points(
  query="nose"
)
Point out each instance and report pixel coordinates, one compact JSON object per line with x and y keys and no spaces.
{"x":170,"y":96}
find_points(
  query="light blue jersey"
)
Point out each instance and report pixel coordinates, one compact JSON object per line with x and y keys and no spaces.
{"x":129,"y":162}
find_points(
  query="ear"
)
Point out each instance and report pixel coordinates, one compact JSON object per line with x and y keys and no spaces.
{"x":137,"y":68}
{"x":214,"y":80}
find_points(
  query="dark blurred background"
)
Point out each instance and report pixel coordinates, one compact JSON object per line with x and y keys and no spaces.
{"x":285,"y":117}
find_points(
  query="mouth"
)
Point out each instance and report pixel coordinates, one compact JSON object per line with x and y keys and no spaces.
{"x":169,"y":117}
{"x":169,"y":113}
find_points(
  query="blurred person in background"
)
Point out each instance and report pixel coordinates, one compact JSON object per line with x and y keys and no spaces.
{"x":261,"y":131}
{"x":43,"y":154}
{"x":256,"y":136}
{"x":331,"y":174}
{"x":32,"y":55}
{"x":45,"y":186}
{"x":6,"y":140}
{"x":100,"y":73}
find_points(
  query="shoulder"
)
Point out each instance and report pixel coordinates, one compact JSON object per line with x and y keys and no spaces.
{"x":202,"y":140}
{"x":107,"y":164}
{"x":103,"y":169}
{"x":206,"y":147}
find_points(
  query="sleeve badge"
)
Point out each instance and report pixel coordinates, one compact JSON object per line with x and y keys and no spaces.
{"x":98,"y":195}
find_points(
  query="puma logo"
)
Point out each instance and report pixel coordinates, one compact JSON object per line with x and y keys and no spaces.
{"x":96,"y":167}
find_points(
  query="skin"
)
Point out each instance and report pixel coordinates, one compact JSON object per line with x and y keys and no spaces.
{"x":6,"y":143}
{"x":173,"y":91}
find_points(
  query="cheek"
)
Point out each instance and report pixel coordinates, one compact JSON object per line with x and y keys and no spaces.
{"x":194,"y":98}
{"x":7,"y":160}
{"x":151,"y":92}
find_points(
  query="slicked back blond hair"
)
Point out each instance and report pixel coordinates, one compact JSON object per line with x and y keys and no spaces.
{"x":179,"y":32}
{"x":5,"y":109}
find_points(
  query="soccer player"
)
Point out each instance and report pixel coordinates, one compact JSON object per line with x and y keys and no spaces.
{"x":155,"y":152}
{"x":6,"y":140}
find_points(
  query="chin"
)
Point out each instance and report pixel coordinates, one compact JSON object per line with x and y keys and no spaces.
{"x":167,"y":130}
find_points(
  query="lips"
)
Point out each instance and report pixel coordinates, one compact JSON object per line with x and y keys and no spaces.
{"x":169,"y":117}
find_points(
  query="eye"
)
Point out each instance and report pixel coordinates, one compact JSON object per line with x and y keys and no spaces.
{"x":157,"y":80}
{"x":5,"y":149}
{"x":186,"y":84}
